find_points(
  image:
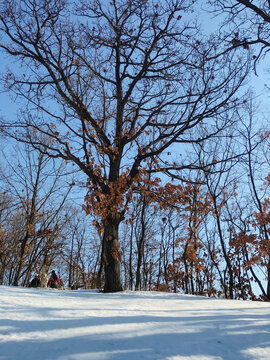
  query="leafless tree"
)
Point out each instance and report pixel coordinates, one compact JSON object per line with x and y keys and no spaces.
{"x":33,"y":224}
{"x":246,"y":25}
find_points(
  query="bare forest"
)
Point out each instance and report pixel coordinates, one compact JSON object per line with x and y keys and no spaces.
{"x":138,"y":157}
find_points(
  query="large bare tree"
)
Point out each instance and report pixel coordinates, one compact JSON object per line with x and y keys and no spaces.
{"x":114,"y":85}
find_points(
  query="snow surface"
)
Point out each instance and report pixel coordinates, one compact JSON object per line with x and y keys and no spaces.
{"x":39,"y":324}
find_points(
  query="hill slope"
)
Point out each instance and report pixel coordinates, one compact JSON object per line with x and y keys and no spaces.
{"x":42,"y":324}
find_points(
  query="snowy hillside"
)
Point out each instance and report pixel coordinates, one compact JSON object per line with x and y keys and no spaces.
{"x":39,"y":324}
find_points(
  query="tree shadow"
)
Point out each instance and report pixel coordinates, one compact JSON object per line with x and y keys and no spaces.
{"x":116,"y":332}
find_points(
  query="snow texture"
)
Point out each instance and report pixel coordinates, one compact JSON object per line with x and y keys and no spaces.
{"x":39,"y":324}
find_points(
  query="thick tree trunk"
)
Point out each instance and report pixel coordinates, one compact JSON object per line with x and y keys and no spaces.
{"x":111,"y":257}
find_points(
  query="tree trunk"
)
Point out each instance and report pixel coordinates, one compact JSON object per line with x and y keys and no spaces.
{"x":140,"y":248}
{"x":130,"y":259}
{"x":101,"y":267}
{"x":21,"y":260}
{"x":225,"y":253}
{"x":268,"y":279}
{"x":111,"y":257}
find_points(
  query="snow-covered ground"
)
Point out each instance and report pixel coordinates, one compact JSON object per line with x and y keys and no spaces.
{"x":39,"y":324}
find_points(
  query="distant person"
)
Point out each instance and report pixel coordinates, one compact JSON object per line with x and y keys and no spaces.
{"x":54,"y":281}
{"x":61,"y":285}
{"x":35,"y":282}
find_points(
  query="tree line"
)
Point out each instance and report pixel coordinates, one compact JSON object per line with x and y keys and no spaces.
{"x":153,"y":116}
{"x":213,"y":241}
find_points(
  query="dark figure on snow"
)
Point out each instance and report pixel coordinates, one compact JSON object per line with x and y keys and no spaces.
{"x":35,"y":282}
{"x":61,"y":285}
{"x":54,"y":281}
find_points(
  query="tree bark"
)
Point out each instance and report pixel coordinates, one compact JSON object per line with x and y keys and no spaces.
{"x":111,"y":257}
